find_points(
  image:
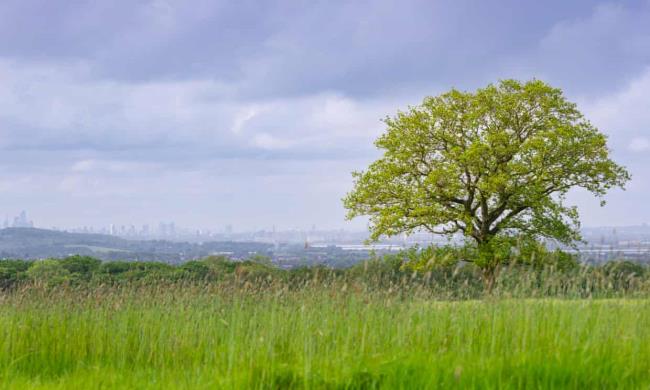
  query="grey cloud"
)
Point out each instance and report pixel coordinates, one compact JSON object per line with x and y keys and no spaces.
{"x":257,"y":111}
{"x":598,"y":52}
{"x":52,"y":108}
{"x":278,"y":48}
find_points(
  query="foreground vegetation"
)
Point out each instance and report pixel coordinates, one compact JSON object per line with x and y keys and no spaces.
{"x":433,"y":273}
{"x":79,"y":323}
{"x":198,"y":336}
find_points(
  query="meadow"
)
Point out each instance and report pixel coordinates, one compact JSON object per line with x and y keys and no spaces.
{"x":325,"y":331}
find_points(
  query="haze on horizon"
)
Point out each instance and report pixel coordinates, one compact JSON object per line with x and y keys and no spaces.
{"x":251,"y":113}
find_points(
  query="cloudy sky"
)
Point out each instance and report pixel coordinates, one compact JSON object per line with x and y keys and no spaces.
{"x":253,"y":113}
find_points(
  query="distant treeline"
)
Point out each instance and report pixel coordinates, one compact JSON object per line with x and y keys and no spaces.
{"x":439,"y":277}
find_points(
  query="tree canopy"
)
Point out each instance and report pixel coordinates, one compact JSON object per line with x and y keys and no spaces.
{"x":492,"y":163}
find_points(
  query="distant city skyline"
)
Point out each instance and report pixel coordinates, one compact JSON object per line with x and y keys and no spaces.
{"x":171,"y":229}
{"x":161,"y":228}
{"x":215,"y":113}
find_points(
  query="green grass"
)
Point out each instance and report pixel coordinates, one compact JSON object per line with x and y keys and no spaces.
{"x":333,"y":337}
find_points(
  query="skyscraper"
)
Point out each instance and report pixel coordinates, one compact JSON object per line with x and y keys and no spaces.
{"x":21,"y":221}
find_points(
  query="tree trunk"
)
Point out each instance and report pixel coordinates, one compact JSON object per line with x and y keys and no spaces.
{"x":489,"y":278}
{"x":487,"y":261}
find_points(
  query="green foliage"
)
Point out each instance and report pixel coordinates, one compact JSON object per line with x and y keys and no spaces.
{"x":540,"y":257}
{"x":261,"y":259}
{"x":378,"y":268}
{"x":501,"y":250}
{"x":624,"y":274}
{"x":81,"y":264}
{"x":7,"y":278}
{"x":489,"y":165}
{"x":529,"y":269}
{"x":15,"y":266}
{"x":220,"y":265}
{"x":624,"y":269}
{"x":298,"y":277}
{"x":12,"y":272}
{"x":48,"y":272}
{"x":255,"y":270}
{"x":196,"y":270}
{"x":432,"y":258}
{"x":81,"y":267}
{"x":114,"y":268}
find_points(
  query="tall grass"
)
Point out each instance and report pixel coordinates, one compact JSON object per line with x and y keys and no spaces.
{"x":324,"y":334}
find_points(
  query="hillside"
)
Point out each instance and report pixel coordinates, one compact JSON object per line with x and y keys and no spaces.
{"x":32,"y":243}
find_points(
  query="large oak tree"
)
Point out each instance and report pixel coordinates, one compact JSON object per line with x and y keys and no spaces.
{"x":492,"y":163}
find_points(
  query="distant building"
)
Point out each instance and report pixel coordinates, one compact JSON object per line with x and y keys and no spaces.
{"x":21,"y":221}
{"x":167,"y":229}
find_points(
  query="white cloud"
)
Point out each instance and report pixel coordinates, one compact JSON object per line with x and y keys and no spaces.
{"x":639,"y":144}
{"x":624,"y":114}
{"x":59,"y":106}
{"x":596,"y":52}
{"x":167,"y":105}
{"x":243,"y":116}
{"x":118,"y":152}
{"x":269,"y":142}
{"x":94,"y":166}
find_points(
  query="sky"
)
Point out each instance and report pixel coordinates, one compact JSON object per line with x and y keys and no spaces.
{"x":254,"y":113}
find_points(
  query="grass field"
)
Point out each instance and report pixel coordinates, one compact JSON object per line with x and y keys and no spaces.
{"x":316,"y":337}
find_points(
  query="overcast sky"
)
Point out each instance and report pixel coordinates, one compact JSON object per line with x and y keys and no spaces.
{"x":254,"y":113}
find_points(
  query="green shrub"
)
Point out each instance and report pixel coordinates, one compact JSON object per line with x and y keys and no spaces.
{"x":48,"y":272}
{"x":220,"y":265}
{"x":196,"y":270}
{"x":81,"y":268}
{"x":114,"y":268}
{"x":12,"y":272}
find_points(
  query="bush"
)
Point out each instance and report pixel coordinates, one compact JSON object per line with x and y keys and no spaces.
{"x":624,"y":269}
{"x":220,"y":265}
{"x":48,"y":273}
{"x":138,"y":270}
{"x":623,"y":274}
{"x":81,"y":267}
{"x":12,"y":272}
{"x":114,"y":268}
{"x":196,"y":270}
{"x":253,"y":270}
{"x":433,"y":258}
{"x":449,"y":272}
{"x":387,"y":267}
